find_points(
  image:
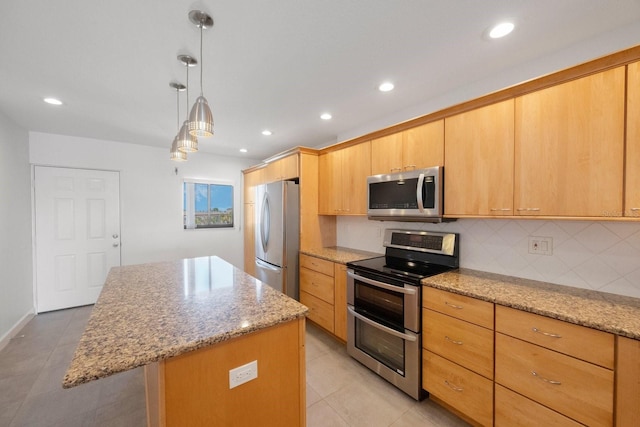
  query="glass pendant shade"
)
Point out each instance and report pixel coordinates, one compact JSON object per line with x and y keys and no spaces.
{"x":187,"y":143}
{"x":201,"y":118}
{"x":175,"y":154}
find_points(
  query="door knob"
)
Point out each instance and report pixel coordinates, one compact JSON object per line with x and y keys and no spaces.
{"x":115,"y":245}
{"x":115,"y":236}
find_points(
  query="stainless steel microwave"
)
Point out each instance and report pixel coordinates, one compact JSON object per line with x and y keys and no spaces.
{"x":407,"y":196}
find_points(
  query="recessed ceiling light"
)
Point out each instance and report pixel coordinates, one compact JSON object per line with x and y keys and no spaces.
{"x":325,"y":116}
{"x":386,"y":87}
{"x":243,"y":150}
{"x":267,"y":132}
{"x":501,"y":30}
{"x":52,"y":101}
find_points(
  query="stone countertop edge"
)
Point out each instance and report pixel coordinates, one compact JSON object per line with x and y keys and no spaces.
{"x":603,"y":311}
{"x":150,"y":312}
{"x":340,"y":255}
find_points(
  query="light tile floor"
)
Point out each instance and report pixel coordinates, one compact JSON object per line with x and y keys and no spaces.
{"x":340,"y":391}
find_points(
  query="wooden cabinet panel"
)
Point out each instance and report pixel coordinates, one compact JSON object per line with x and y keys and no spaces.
{"x":459,"y":306}
{"x":282,"y":169}
{"x":632,"y":169}
{"x":423,"y":146}
{"x":320,"y":312}
{"x":342,"y":180}
{"x":415,"y":148}
{"x":628,"y":382}
{"x":478,"y":161}
{"x":569,"y":148}
{"x":578,"y":389}
{"x":320,"y":265}
{"x":577,"y":341}
{"x":249,"y":239}
{"x":513,"y":409}
{"x":460,"y":388}
{"x":386,"y":154}
{"x":461,"y":342}
{"x":317,"y":284}
{"x":340,"y":298}
{"x":251,"y":179}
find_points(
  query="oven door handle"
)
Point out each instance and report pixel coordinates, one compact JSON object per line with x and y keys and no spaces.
{"x":381,"y":327}
{"x":406,"y":291}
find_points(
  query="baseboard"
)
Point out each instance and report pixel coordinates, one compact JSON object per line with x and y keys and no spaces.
{"x":4,"y":340}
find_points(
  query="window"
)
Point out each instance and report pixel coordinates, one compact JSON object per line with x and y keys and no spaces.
{"x":207,"y":205}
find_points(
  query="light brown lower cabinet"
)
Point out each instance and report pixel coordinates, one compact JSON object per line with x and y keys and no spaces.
{"x":463,"y":390}
{"x":513,"y":409}
{"x":627,"y":382}
{"x":323,"y":288}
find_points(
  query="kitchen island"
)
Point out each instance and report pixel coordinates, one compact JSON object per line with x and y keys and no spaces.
{"x":190,"y":322}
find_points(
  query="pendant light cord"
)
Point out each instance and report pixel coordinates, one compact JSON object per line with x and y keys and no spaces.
{"x":187,"y":64}
{"x":178,"y":108}
{"x":201,"y":58}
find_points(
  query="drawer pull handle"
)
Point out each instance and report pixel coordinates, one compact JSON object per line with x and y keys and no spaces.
{"x":546,"y":334}
{"x":453,"y":387}
{"x":457,"y":307}
{"x":453,"y":341}
{"x":535,"y":374}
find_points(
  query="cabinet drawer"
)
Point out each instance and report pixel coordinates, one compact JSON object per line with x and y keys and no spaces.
{"x":320,"y":312}
{"x":578,"y":389}
{"x":458,"y":387}
{"x":577,"y":341}
{"x":459,"y":306}
{"x":462,"y":342}
{"x":513,"y":409}
{"x":317,"y":284}
{"x":316,"y":264}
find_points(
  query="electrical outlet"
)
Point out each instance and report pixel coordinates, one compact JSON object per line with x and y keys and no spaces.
{"x":243,"y":374}
{"x":540,"y":245}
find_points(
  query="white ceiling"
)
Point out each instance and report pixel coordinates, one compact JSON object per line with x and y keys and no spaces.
{"x":275,"y":64}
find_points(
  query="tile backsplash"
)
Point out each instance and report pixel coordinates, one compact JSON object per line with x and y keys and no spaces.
{"x":598,"y":255}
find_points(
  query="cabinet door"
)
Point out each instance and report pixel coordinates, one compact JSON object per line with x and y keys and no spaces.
{"x":251,"y":179}
{"x":289,"y":167}
{"x":632,"y":169}
{"x":249,"y":239}
{"x":628,"y":382}
{"x":423,"y":146}
{"x":386,"y":154}
{"x":569,"y":148}
{"x":329,"y":177}
{"x":478,"y":162}
{"x":340,"y":306}
{"x":356,"y":167}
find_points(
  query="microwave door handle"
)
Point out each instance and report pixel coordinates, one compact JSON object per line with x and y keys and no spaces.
{"x":379,"y":326}
{"x":419,"y":189}
{"x":382,"y":285}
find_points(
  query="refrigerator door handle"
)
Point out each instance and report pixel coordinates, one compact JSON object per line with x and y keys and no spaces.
{"x":263,"y":264}
{"x":265,"y":222}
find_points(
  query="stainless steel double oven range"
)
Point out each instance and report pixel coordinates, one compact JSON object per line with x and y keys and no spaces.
{"x":384,"y":300}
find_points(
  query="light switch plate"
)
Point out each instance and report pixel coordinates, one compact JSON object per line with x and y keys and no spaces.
{"x":243,"y":374}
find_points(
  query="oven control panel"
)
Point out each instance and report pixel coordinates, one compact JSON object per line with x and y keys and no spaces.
{"x":422,"y":241}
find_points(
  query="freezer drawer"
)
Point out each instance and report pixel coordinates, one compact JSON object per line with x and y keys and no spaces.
{"x":270,"y":274}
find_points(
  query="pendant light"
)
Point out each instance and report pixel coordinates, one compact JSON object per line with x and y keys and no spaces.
{"x":187,"y":143}
{"x":201,"y":118}
{"x":175,"y":154}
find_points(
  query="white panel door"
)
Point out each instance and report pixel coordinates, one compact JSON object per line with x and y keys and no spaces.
{"x":77,"y":234}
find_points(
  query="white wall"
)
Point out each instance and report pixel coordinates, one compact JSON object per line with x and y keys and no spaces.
{"x":599,"y":255}
{"x":16,"y":288}
{"x":151,"y":195}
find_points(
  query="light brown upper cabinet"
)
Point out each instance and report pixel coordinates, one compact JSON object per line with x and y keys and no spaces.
{"x":251,"y":179}
{"x":282,"y":169}
{"x":569,"y":148}
{"x":342,"y":180}
{"x":415,"y":148}
{"x":478,"y":165}
{"x":632,"y":187}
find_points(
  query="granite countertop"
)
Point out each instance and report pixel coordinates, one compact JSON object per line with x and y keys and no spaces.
{"x":599,"y":310}
{"x":150,"y":312}
{"x":339,"y":254}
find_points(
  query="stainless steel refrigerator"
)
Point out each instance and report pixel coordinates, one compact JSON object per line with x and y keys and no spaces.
{"x":278,"y":236}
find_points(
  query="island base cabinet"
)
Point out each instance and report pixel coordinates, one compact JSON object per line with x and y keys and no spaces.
{"x":513,"y":409}
{"x":468,"y":393}
{"x":193,"y":389}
